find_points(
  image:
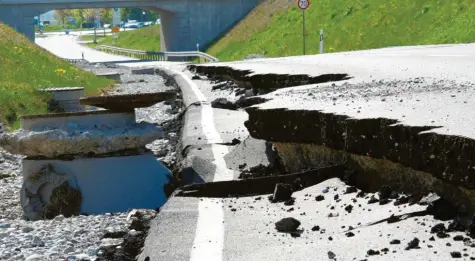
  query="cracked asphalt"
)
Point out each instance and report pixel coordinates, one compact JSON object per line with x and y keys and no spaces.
{"x":243,"y":228}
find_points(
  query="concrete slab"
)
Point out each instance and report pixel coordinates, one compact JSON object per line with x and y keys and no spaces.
{"x":88,"y":119}
{"x":128,"y":102}
{"x":112,"y":184}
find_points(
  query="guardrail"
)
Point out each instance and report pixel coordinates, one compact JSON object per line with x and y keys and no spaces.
{"x":156,"y":56}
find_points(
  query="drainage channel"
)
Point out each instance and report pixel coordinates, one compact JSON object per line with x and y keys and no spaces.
{"x":86,"y":166}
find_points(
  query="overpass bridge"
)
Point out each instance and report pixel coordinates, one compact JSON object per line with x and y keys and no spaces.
{"x":184,"y":23}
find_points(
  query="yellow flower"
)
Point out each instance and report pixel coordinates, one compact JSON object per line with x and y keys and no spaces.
{"x":60,"y":71}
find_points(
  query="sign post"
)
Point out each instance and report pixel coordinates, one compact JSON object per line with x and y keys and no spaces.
{"x":97,"y":15}
{"x":303,"y":5}
{"x":321,"y":41}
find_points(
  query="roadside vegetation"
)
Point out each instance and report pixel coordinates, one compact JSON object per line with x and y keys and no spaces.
{"x":146,"y":38}
{"x":25,"y":68}
{"x":275,"y":27}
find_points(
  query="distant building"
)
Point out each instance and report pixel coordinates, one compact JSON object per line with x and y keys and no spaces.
{"x":49,"y":16}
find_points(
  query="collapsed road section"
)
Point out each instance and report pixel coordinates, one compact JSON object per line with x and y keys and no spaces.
{"x":357,"y":165}
{"x":109,"y":157}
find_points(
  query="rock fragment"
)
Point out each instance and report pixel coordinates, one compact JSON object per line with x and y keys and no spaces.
{"x":282,"y":192}
{"x":287,"y":225}
{"x":413,"y":244}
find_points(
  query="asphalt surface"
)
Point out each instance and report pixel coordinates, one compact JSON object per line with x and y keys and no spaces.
{"x":218,"y":229}
{"x":434,"y":63}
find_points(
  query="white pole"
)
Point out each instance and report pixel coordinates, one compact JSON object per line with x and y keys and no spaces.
{"x":321,"y":41}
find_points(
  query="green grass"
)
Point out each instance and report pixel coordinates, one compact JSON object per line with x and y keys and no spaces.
{"x":56,"y":28}
{"x":146,"y":38}
{"x":25,"y":67}
{"x":275,"y":28}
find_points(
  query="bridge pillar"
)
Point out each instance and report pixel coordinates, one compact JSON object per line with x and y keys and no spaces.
{"x":191,"y":22}
{"x":20,"y":18}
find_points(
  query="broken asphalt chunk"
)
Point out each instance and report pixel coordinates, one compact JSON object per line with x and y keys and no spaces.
{"x":287,"y":225}
{"x":319,"y":198}
{"x":282,"y":192}
{"x":351,"y":189}
{"x":413,"y":244}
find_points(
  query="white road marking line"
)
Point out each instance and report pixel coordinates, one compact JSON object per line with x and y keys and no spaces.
{"x":209,"y":237}
{"x":447,"y":55}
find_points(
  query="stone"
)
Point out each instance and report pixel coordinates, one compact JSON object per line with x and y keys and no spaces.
{"x":384,"y":192}
{"x":4,"y":225}
{"x":440,"y":227}
{"x":413,"y":244}
{"x":27,"y":229}
{"x":223,"y":103}
{"x":68,"y":250}
{"x":351,"y":189}
{"x":331,"y":255}
{"x":395,"y":242}
{"x":37,"y":242}
{"x":287,"y":225}
{"x":35,"y":257}
{"x":282,"y":192}
{"x":319,"y":198}
{"x":315,"y":228}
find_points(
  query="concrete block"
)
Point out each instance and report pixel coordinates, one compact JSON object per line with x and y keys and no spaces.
{"x":107,"y":185}
{"x":67,"y":98}
{"x":110,"y":75}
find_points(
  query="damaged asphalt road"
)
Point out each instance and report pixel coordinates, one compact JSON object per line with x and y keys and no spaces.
{"x":324,"y":218}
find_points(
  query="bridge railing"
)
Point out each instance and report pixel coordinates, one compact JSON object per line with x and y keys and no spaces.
{"x":155,"y":56}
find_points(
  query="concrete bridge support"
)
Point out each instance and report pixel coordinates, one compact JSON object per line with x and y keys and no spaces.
{"x":184,"y":22}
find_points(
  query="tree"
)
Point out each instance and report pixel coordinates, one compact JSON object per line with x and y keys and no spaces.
{"x":106,"y":15}
{"x":136,"y":14}
{"x":62,"y":14}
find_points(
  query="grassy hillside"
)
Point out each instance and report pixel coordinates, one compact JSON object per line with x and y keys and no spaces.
{"x":26,"y":67}
{"x":147,"y":38}
{"x":275,"y":27}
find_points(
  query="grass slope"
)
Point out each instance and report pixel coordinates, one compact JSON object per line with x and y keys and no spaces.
{"x":275,"y":27}
{"x":146,"y":38}
{"x":26,"y":67}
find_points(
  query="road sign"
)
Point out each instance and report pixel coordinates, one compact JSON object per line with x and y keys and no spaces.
{"x":303,"y":4}
{"x":115,"y":16}
{"x":115,"y":29}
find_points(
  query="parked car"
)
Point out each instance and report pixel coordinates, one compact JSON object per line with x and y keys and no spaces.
{"x":107,"y":25}
{"x":133,"y":24}
{"x":158,"y":21}
{"x":148,"y":23}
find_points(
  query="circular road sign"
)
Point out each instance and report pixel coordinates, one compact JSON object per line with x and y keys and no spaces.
{"x":303,"y":4}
